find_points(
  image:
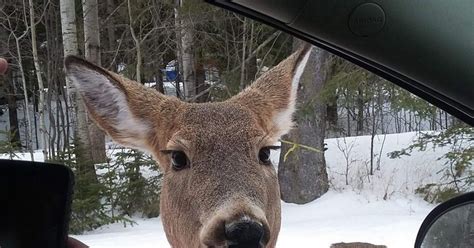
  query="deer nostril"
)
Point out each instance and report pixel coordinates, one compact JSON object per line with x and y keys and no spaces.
{"x":244,"y":233}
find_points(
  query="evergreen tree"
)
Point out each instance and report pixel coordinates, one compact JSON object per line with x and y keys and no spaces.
{"x":458,"y":172}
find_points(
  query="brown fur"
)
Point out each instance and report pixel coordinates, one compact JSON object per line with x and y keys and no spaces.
{"x":356,"y":245}
{"x":225,"y":180}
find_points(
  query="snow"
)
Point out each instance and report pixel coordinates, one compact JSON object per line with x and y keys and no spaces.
{"x":396,"y":177}
{"x":379,"y":209}
{"x":335,"y":217}
{"x":147,"y":233}
{"x":37,"y":155}
{"x":350,"y":217}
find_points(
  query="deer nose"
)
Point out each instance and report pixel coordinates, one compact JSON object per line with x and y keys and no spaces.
{"x":244,"y":233}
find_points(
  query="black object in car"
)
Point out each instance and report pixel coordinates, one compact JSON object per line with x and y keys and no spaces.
{"x":35,"y":201}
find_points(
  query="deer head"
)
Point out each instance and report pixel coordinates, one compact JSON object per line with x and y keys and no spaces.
{"x":219,"y":188}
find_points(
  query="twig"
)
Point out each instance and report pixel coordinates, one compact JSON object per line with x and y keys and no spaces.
{"x":268,"y":40}
{"x":296,"y":146}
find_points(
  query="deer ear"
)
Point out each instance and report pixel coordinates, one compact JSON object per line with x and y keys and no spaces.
{"x":272,"y":97}
{"x":116,"y":104}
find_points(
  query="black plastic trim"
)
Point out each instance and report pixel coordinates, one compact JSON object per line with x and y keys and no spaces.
{"x":439,"y":211}
{"x":66,"y":174}
{"x":436,"y":98}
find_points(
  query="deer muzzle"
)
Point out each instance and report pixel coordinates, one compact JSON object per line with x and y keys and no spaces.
{"x":236,"y":227}
{"x":244,"y":233}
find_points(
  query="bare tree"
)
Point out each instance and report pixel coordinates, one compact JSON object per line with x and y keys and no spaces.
{"x":185,"y":39}
{"x":39,"y":78}
{"x":90,"y":10}
{"x":346,"y":150}
{"x":303,"y":176}
{"x":70,"y":47}
{"x":244,"y":49}
{"x":6,"y":83}
{"x":137,"y":42}
{"x":12,"y":22}
{"x":69,"y":33}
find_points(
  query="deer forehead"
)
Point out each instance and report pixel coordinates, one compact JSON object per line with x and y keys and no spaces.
{"x":212,"y":124}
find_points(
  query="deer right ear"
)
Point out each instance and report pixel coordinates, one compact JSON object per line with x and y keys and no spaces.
{"x":272,"y":97}
{"x":119,"y":106}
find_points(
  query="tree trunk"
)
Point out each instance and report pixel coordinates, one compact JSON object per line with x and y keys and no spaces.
{"x":29,"y":132}
{"x":188,"y":62}
{"x":39,"y":78}
{"x":186,"y":39}
{"x":348,"y":121}
{"x":111,"y":39}
{"x":303,"y":176}
{"x":446,"y":119}
{"x":380,"y":106}
{"x":251,"y":66}
{"x":159,"y":75}
{"x":331,"y":110}
{"x":92,"y":53}
{"x":201,"y":87}
{"x":70,"y":47}
{"x":35,"y":122}
{"x":137,"y":42}
{"x":69,"y":33}
{"x":244,"y":50}
{"x":13,"y":115}
{"x":372,"y":136}
{"x":360,"y":112}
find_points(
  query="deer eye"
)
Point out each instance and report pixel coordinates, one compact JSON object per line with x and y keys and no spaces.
{"x":264,"y":155}
{"x":179,"y":160}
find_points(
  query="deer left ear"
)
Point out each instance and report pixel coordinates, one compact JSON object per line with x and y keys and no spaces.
{"x":272,"y":97}
{"x":126,"y":110}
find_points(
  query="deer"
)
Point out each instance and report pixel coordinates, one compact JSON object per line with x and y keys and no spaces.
{"x":219,"y":186}
{"x":356,"y":245}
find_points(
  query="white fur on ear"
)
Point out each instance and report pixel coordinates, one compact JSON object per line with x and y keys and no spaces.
{"x":108,"y":102}
{"x":283,"y":120}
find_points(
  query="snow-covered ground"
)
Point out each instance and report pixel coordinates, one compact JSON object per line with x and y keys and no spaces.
{"x":380,"y":209}
{"x":337,"y":216}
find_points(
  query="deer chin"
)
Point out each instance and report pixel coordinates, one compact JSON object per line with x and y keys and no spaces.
{"x":237,"y":223}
